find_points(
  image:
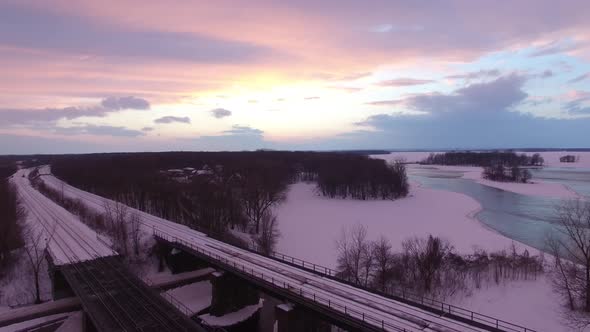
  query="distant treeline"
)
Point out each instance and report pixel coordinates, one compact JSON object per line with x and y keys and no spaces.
{"x":10,"y":215}
{"x":238,"y":188}
{"x":484,"y":159}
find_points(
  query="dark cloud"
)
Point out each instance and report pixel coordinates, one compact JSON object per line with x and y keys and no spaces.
{"x":236,"y":138}
{"x":580,"y":105}
{"x":31,"y":28}
{"x":579,"y":78}
{"x":546,"y":74}
{"x":499,"y":94}
{"x":478,"y":116}
{"x":12,"y":116}
{"x":243,"y":130}
{"x":404,"y":82}
{"x":490,"y":73}
{"x":98,"y":131}
{"x":147,"y":129}
{"x":173,"y":119}
{"x":220,"y":113}
{"x":123,"y":103}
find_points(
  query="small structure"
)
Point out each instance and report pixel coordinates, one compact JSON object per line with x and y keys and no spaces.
{"x":568,"y":159}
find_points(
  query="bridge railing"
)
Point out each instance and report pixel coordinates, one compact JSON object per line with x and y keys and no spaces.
{"x":443,"y":307}
{"x":489,"y":322}
{"x":294,"y":290}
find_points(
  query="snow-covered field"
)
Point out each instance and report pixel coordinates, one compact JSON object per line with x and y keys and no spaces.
{"x":311,"y":224}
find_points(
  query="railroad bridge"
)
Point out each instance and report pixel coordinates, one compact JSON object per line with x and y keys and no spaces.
{"x":308,"y":292}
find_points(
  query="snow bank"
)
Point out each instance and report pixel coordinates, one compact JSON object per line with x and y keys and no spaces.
{"x":529,"y":303}
{"x":233,"y":317}
{"x":311,"y":224}
{"x":195,"y":296}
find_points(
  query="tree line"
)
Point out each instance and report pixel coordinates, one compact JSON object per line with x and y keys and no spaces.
{"x":239,"y":189}
{"x":484,"y":159}
{"x":11,"y":214}
{"x":427,"y":266}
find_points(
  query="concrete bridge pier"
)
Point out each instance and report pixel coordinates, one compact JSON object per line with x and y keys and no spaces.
{"x":230,"y":294}
{"x":60,"y":289}
{"x":291,"y":318}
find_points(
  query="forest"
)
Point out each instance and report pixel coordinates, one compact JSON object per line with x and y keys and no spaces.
{"x":10,"y":215}
{"x":226,"y":190}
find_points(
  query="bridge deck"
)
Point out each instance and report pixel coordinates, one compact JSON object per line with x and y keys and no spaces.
{"x":116,"y":300}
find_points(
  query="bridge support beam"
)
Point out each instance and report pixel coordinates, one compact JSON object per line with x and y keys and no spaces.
{"x":60,"y":289}
{"x":291,"y":318}
{"x":177,"y":260}
{"x":230,"y":294}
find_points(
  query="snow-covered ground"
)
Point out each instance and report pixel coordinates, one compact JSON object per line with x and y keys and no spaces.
{"x":195,"y":297}
{"x":310,"y":225}
{"x":68,"y":239}
{"x":233,"y":317}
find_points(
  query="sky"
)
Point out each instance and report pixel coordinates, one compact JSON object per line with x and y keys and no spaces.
{"x":80,"y":76}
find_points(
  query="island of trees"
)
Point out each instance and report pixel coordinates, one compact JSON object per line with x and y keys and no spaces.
{"x":498,"y":165}
{"x":569,"y":159}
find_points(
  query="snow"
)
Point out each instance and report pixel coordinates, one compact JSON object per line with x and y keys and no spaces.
{"x":195,"y":297}
{"x":74,"y":323}
{"x":286,"y":306}
{"x":346,"y":299}
{"x":69,"y":240}
{"x":233,"y":317}
{"x":552,"y":159}
{"x":164,"y":280}
{"x":529,"y":303}
{"x":310,"y":224}
{"x":33,"y":322}
{"x":533,"y":188}
{"x":17,"y":283}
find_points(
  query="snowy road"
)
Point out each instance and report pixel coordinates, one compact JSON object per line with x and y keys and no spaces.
{"x":69,"y":240}
{"x":349,"y":300}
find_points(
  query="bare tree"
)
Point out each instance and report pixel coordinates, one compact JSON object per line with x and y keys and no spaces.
{"x":354,"y":255}
{"x":269,"y":234}
{"x":11,"y":215}
{"x":37,"y":242}
{"x":135,"y":233}
{"x":571,"y":273}
{"x":116,"y":220}
{"x":428,"y":256}
{"x":383,"y":258}
{"x":258,"y":196}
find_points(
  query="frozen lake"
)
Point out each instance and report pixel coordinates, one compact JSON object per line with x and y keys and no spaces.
{"x":528,"y":219}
